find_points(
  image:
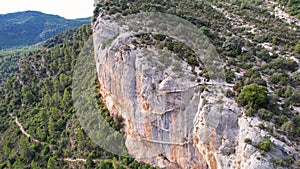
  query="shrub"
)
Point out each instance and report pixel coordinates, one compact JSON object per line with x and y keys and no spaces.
{"x":261,"y":126}
{"x":229,"y":76}
{"x":238,"y":85}
{"x":296,"y":121}
{"x":257,"y":80}
{"x":297,"y":47}
{"x":283,"y":63}
{"x":265,"y":114}
{"x":281,"y":119}
{"x":288,"y":128}
{"x":277,"y":77}
{"x":253,"y":95}
{"x":252,"y":73}
{"x":112,"y":10}
{"x":296,"y":79}
{"x":296,"y":98}
{"x":265,"y":144}
{"x":3,"y":165}
{"x":229,"y":93}
{"x":96,"y":12}
{"x":231,"y":61}
{"x":192,"y":60}
{"x":248,"y":140}
{"x":277,"y":162}
{"x":250,"y":112}
{"x":233,"y":44}
{"x":288,"y":91}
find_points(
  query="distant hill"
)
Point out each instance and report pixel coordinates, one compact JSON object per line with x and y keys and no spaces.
{"x":30,"y":27}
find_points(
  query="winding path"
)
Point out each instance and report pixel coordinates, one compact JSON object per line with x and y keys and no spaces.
{"x":21,"y":127}
{"x":27,"y":134}
{"x":68,"y":159}
{"x":41,"y":142}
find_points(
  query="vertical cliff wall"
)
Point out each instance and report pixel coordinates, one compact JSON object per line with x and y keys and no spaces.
{"x":173,"y":118}
{"x":153,"y":99}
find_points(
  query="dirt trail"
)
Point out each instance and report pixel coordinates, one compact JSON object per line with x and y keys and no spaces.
{"x":27,"y":134}
{"x":45,"y":143}
{"x":38,"y":141}
{"x":21,"y":127}
{"x":73,"y":160}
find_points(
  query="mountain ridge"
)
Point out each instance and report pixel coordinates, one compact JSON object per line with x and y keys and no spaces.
{"x":30,"y":27}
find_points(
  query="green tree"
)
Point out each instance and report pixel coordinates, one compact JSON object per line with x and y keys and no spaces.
{"x":25,"y":151}
{"x":117,"y":165}
{"x":253,"y":95}
{"x":18,"y":164}
{"x":66,"y":99}
{"x":27,"y":96}
{"x":34,"y":165}
{"x":51,"y":127}
{"x":52,"y":163}
{"x":90,"y":163}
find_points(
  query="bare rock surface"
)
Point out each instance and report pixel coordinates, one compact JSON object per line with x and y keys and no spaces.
{"x":169,"y":120}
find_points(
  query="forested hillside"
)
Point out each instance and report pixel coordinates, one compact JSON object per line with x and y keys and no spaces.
{"x":9,"y":60}
{"x":31,"y":27}
{"x":39,"y":127}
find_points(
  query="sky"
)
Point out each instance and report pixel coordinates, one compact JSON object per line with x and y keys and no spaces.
{"x":69,"y":9}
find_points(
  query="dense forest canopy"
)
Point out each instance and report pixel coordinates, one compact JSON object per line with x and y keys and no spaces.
{"x":39,"y":96}
{"x":30,"y":27}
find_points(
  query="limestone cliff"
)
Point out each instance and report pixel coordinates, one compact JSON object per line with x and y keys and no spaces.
{"x":172,"y":118}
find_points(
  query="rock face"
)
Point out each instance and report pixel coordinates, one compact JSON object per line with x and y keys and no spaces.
{"x":153,"y":100}
{"x":172,"y":120}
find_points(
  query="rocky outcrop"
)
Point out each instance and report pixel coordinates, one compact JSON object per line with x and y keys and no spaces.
{"x":173,"y":118}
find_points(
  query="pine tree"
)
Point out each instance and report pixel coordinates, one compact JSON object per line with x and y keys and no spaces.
{"x":52,"y":163}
